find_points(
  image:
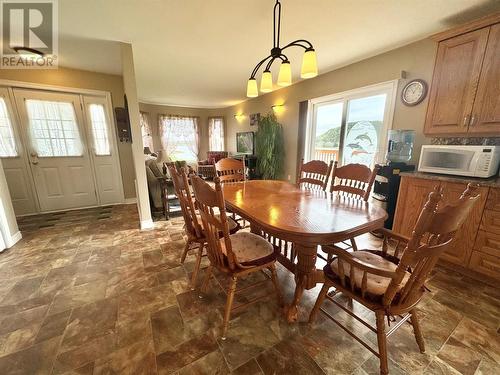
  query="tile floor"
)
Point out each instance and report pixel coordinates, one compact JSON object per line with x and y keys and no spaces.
{"x":91,"y":294}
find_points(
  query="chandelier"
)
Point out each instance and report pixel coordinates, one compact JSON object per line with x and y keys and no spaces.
{"x":309,"y":65}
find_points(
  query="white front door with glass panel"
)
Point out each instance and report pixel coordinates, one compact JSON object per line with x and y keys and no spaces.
{"x":57,"y":147}
{"x":14,"y":160}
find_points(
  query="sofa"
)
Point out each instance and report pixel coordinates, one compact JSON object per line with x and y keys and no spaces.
{"x":206,"y":168}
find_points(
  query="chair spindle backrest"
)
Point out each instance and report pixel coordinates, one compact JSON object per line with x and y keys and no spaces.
{"x":181,"y":187}
{"x":314,"y":175}
{"x":434,"y":233}
{"x":230,"y":170}
{"x":212,"y":209}
{"x":353,"y":180}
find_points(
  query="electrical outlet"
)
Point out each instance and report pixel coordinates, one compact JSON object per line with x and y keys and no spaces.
{"x":289,"y":178}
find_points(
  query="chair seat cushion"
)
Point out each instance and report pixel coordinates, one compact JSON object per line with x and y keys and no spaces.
{"x":250,"y":249}
{"x":231,"y":223}
{"x":376,"y":285}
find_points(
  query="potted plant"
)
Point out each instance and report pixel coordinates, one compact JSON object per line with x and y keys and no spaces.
{"x":270,"y":148}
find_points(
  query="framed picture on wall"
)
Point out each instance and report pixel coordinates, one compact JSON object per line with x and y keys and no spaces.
{"x":254,"y":119}
{"x":245,"y":143}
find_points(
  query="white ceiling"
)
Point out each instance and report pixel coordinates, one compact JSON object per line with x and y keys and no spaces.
{"x":201,"y":52}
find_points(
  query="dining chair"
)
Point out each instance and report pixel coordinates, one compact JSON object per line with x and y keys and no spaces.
{"x":230,"y":170}
{"x":234,"y":255}
{"x":196,"y":237}
{"x":353,"y":181}
{"x":394,"y":290}
{"x":314,"y":175}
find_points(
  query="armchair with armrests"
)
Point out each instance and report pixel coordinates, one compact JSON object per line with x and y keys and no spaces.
{"x":206,"y":167}
{"x":394,"y":289}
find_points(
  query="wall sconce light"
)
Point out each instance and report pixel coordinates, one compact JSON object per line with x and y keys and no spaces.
{"x":278,"y":108}
{"x":239,"y":116}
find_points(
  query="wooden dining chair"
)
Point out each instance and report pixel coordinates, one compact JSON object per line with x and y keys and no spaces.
{"x":394,"y":290}
{"x":314,"y":174}
{"x":230,"y":170}
{"x":192,"y":222}
{"x":236,"y":255}
{"x":354,"y":181}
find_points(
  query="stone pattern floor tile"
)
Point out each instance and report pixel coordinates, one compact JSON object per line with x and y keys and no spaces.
{"x":87,"y":292}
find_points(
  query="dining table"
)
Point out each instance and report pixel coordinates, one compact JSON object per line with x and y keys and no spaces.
{"x":296,"y":221}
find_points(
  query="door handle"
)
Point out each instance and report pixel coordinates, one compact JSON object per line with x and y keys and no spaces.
{"x":473,"y":120}
{"x":466,"y":120}
{"x":34,"y":158}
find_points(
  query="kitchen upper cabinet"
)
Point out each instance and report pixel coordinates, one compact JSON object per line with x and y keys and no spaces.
{"x":464,"y":97}
{"x":454,"y":83}
{"x":486,"y":112}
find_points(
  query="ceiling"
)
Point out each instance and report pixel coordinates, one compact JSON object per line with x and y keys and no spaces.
{"x":200,"y":53}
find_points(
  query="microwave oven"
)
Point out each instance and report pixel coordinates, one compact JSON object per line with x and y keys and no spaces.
{"x":472,"y":161}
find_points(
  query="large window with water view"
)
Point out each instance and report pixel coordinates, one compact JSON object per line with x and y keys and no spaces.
{"x":351,"y":127}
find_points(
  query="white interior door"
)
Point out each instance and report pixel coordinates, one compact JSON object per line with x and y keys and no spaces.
{"x":103,"y":149}
{"x":57,"y":145}
{"x":14,"y":158}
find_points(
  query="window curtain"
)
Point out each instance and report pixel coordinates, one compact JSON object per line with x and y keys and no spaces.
{"x":216,"y":133}
{"x":147,"y":137}
{"x":179,"y":137}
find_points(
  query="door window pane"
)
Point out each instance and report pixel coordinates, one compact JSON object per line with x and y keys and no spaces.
{"x":327,"y":137}
{"x":53,"y":128}
{"x":7,"y":141}
{"x":99,"y":129}
{"x":364,"y":129}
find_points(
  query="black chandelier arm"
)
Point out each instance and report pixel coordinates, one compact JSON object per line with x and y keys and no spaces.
{"x":281,"y":57}
{"x":254,"y":71}
{"x":276,"y":38}
{"x":298,"y":43}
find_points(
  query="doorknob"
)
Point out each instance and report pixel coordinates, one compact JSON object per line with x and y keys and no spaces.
{"x":34,"y":158}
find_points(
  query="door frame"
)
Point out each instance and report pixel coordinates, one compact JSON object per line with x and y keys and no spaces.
{"x":21,"y":131}
{"x":355,"y":93}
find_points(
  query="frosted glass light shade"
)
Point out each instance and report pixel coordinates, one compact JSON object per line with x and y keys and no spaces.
{"x":285,"y":74}
{"x":252,"y":90}
{"x":309,"y":64}
{"x":266,"y":83}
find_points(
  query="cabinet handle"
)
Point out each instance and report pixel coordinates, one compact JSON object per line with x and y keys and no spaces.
{"x":473,"y":120}
{"x":466,"y":120}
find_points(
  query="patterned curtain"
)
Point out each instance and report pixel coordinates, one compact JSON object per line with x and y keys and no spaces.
{"x":147,"y":134}
{"x":179,"y":137}
{"x":216,"y":133}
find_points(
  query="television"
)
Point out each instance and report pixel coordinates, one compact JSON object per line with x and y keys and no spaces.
{"x":245,"y":143}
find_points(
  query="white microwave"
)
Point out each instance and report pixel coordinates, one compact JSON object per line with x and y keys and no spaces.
{"x":473,"y":161}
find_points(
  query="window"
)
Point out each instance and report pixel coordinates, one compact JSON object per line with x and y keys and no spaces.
{"x":99,"y":129}
{"x":351,"y":127}
{"x":7,"y":141}
{"x":54,"y":130}
{"x":216,"y":133}
{"x":179,"y":137}
{"x":147,"y":138}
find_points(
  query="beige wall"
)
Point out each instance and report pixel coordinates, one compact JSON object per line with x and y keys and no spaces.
{"x":155,"y":110}
{"x":416,"y":59}
{"x":85,"y":80}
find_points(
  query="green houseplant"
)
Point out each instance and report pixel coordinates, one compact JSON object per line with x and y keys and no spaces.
{"x":270,"y":148}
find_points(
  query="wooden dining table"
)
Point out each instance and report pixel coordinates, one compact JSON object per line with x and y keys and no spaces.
{"x":296,"y":221}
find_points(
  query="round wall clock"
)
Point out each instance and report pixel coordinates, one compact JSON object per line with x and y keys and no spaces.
{"x":414,"y":92}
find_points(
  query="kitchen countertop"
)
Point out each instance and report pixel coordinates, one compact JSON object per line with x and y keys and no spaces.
{"x":490,"y":182}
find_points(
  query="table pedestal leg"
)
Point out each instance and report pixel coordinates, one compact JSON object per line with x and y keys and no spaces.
{"x":305,"y":277}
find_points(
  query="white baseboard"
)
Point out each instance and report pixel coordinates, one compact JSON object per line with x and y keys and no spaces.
{"x":12,"y":240}
{"x":130,"y":200}
{"x":147,"y":224}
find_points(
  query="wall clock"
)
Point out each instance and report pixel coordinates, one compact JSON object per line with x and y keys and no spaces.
{"x":414,"y":92}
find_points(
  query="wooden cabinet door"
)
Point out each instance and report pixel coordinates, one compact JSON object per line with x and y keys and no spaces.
{"x":413,"y":193}
{"x":461,"y":251}
{"x":486,"y":113}
{"x":454,"y":83}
